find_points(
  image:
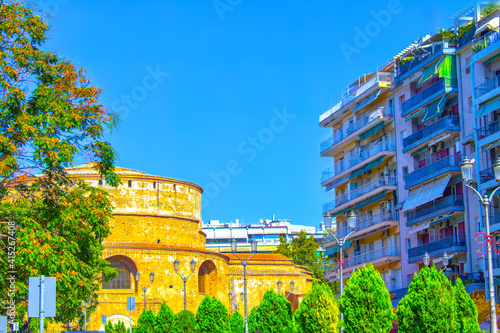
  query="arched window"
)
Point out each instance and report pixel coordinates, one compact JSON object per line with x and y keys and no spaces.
{"x":122,"y":280}
{"x":207,"y":278}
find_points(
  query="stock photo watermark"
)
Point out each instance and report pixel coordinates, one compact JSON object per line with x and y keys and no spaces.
{"x":223,"y":6}
{"x":363,"y":36}
{"x":53,"y":7}
{"x":152,"y":80}
{"x":12,"y":272}
{"x":248,"y":150}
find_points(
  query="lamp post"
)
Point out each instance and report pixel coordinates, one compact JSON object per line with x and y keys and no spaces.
{"x":292,"y":285}
{"x":185,"y":278}
{"x":466,"y":167}
{"x":144,"y":289}
{"x":244,"y":262}
{"x":85,"y":315}
{"x":427,"y":259}
{"x":233,"y":301}
{"x":351,"y":223}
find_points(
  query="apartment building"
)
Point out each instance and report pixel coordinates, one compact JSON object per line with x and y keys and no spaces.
{"x":362,"y":177}
{"x":266,"y":233}
{"x":440,"y":103}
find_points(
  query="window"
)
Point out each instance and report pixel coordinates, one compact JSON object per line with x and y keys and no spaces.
{"x":469,"y":104}
{"x":408,"y":243}
{"x":467,"y":65}
{"x":129,"y":183}
{"x":122,"y":280}
{"x":100,"y":182}
{"x":401,"y":100}
{"x":391,"y":106}
{"x":405,"y":170}
{"x":154,"y":185}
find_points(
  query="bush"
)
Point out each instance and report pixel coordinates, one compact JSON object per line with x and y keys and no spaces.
{"x":318,"y":311}
{"x":273,"y":315}
{"x":366,"y":303}
{"x":237,"y":323}
{"x":212,"y":317}
{"x":164,"y":319}
{"x":185,"y":322}
{"x":146,"y":322}
{"x":466,"y":309}
{"x":119,"y":327}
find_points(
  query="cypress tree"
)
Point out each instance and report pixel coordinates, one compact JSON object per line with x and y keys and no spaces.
{"x":164,"y":319}
{"x":318,"y":311}
{"x":212,"y":317}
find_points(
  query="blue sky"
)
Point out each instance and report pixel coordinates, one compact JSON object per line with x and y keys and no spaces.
{"x":227,"y":94}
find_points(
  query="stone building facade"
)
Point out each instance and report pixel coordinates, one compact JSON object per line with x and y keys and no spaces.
{"x":157,"y":220}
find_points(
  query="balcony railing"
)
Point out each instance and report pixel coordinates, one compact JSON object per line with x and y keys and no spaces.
{"x":487,"y":174}
{"x":485,"y":41}
{"x":365,"y":152}
{"x":403,"y":68}
{"x":364,"y":189}
{"x":442,"y":244}
{"x":369,"y":221}
{"x":488,"y":86}
{"x":354,"y":92}
{"x":367,"y":257}
{"x":442,"y":164}
{"x":489,"y":129}
{"x":427,"y":132}
{"x":495,"y":216}
{"x":346,"y":132}
{"x":425,"y":94}
{"x":433,"y":207}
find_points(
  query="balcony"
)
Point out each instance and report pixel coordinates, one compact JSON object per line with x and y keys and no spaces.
{"x":495,"y":217}
{"x":420,"y":138}
{"x":375,"y":257}
{"x":366,"y":155}
{"x":485,"y":41}
{"x":448,"y":244}
{"x":488,"y":86}
{"x":350,"y":132}
{"x":368,"y":222}
{"x":489,"y":129}
{"x":427,"y":95}
{"x":449,"y":204}
{"x":379,"y":183}
{"x":380,"y":79}
{"x":450,"y":163}
{"x":410,"y":66}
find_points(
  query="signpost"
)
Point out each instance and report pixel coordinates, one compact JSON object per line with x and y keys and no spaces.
{"x":103,"y":320}
{"x":41,"y":298}
{"x":130,"y":307}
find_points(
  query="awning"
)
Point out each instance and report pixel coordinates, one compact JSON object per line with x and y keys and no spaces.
{"x":370,"y":200}
{"x":336,"y":248}
{"x":428,"y":74}
{"x":366,"y":167}
{"x":345,"y":210}
{"x":366,"y":134}
{"x":486,"y":108}
{"x":435,"y":108}
{"x":412,"y":78}
{"x":421,"y":150}
{"x":491,"y":25}
{"x":491,"y":59}
{"x":446,"y":67}
{"x":366,"y":101}
{"x":419,"y":227}
{"x":492,"y":145}
{"x":426,"y":193}
{"x":441,"y":218}
{"x":439,"y":259}
{"x":336,"y":183}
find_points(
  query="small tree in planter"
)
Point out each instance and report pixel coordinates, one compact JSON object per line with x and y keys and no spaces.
{"x":466,"y":309}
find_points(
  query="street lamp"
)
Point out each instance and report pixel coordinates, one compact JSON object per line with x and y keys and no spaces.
{"x":351,"y":223}
{"x":292,"y":285}
{"x":184,"y":278}
{"x":427,"y":259}
{"x":466,"y":167}
{"x":446,"y":260}
{"x":144,"y":289}
{"x":244,"y":262}
{"x":233,"y":301}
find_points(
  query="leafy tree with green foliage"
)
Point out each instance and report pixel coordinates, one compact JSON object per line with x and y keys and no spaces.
{"x":185,"y":322}
{"x":237,"y":323}
{"x":119,"y":327}
{"x":366,"y":303}
{"x":429,"y":306}
{"x":273,"y":315}
{"x":212,"y":317}
{"x":165,"y":319}
{"x":51,"y":115}
{"x":318,"y":311}
{"x":146,"y":322}
{"x":466,"y":309}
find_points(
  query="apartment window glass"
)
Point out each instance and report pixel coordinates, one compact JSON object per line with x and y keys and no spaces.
{"x":122,"y":280}
{"x":469,"y":104}
{"x":467,"y":65}
{"x":401,"y":100}
{"x":391,"y":106}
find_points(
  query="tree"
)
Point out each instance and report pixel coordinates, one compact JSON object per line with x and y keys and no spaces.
{"x":366,"y":303}
{"x":119,"y":327}
{"x":483,"y":308}
{"x":50,"y":115}
{"x":237,"y":323}
{"x":185,"y":322}
{"x":429,"y":305}
{"x":212,"y":317}
{"x":273,"y":315}
{"x":466,"y":309}
{"x":165,"y":319}
{"x":318,"y":311}
{"x":146,"y":322}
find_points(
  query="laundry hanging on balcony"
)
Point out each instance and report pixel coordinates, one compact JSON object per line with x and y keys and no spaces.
{"x":366,"y":167}
{"x":434,"y":109}
{"x":488,"y":107}
{"x":426,"y":193}
{"x":366,"y":101}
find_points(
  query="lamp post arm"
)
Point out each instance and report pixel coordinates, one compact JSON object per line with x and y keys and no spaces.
{"x":140,"y":285}
{"x":349,"y":234}
{"x":187,"y":277}
{"x":149,"y":285}
{"x":493,"y":193}
{"x":476,"y":191}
